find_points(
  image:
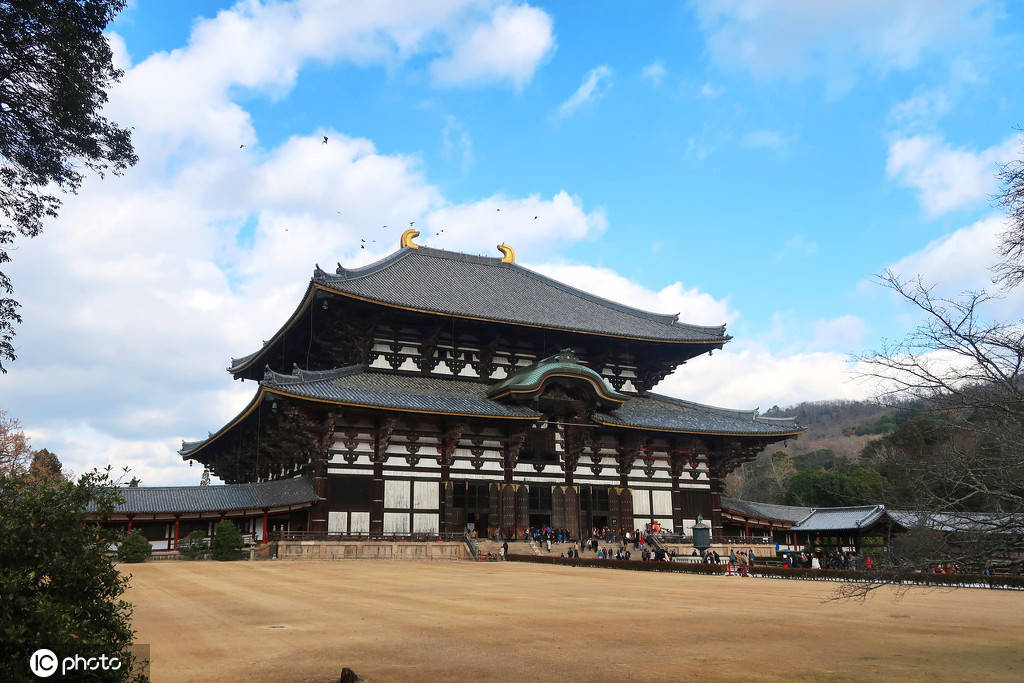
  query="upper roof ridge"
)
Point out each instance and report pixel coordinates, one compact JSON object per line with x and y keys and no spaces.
{"x":344,"y":273}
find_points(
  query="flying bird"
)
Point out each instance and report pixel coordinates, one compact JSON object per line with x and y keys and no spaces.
{"x":325,"y":139}
{"x":534,"y":218}
{"x":497,"y":209}
{"x":412,"y":222}
{"x":241,"y":146}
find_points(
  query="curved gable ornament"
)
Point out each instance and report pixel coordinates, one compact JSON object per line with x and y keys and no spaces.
{"x":407,"y":239}
{"x":508,"y":253}
{"x":532,"y":381}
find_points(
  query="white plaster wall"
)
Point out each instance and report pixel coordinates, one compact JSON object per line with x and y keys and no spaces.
{"x":425,"y":495}
{"x":396,"y":494}
{"x":662,"y":504}
{"x":641,"y":502}
{"x":360,"y":523}
{"x":396,"y":523}
{"x":424,"y":523}
{"x":337,"y":522}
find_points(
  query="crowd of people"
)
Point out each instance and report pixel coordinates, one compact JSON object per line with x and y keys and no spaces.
{"x":822,"y":560}
{"x":603,"y":542}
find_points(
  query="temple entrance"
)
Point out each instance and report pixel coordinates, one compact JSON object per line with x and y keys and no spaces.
{"x":477,"y":522}
{"x":600,"y":521}
{"x":538,"y":521}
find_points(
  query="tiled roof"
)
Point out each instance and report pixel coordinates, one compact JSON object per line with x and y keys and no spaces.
{"x":959,"y":521}
{"x":843,"y":518}
{"x":355,"y":385}
{"x":786,"y":513}
{"x":449,"y":282}
{"x":657,"y":412}
{"x":147,"y":499}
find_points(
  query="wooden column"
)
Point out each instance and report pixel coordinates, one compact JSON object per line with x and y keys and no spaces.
{"x":130,"y":522}
{"x":717,"y":487}
{"x":265,"y":537}
{"x":381,"y":440}
{"x":522,"y":508}
{"x":572,"y":510}
{"x":676,"y":465}
{"x":177,"y":519}
{"x":626,"y":509}
{"x":508,"y":510}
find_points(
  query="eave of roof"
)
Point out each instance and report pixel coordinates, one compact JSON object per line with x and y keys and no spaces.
{"x":224,"y":498}
{"x":785,"y":514}
{"x":855,"y":517}
{"x":436,"y":289}
{"x":655,"y":412}
{"x":357,"y":387}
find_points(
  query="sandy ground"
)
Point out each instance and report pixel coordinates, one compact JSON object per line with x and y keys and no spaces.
{"x":462,"y":621}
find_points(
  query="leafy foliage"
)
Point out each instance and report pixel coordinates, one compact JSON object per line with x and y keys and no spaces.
{"x":837,"y":486}
{"x":45,"y":465}
{"x":194,"y":547}
{"x":58,"y":587}
{"x":227,"y":542}
{"x":134,"y":548}
{"x":55,"y":69}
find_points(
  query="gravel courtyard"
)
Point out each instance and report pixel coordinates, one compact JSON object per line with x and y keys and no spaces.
{"x":463,"y":621}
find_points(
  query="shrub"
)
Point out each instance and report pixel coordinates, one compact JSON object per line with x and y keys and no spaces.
{"x":227,"y":542}
{"x":59,"y":587}
{"x":194,"y":547}
{"x":134,"y":548}
{"x":637,"y":565}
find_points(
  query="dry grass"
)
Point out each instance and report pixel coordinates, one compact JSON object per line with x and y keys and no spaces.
{"x":441,"y":621}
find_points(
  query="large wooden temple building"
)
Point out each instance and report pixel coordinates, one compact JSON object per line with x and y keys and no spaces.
{"x":433,"y":391}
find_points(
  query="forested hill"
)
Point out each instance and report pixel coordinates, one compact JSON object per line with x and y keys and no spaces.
{"x":843,"y":427}
{"x":826,"y":466}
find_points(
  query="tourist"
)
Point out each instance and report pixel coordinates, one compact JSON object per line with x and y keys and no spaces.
{"x":504,"y":547}
{"x":549,"y":545}
{"x":815,"y":564}
{"x":750,"y":557}
{"x":732,"y":556}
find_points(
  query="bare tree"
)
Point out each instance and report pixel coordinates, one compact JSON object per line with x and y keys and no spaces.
{"x":1009,"y":272}
{"x":967,"y":489}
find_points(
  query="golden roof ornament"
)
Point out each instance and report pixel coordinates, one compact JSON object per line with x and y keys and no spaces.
{"x":509,"y":254}
{"x":407,"y":238}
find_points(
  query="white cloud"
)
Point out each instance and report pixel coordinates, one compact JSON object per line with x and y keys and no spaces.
{"x":692,"y":305}
{"x":456,"y":140}
{"x":595,"y":83}
{"x":801,"y":38}
{"x":203,"y":249}
{"x":748,"y":375}
{"x":843,"y":334}
{"x":479,"y":226}
{"x":261,"y":46}
{"x":947,"y":178}
{"x":958,"y":261}
{"x":508,"y":48}
{"x":654,"y":72}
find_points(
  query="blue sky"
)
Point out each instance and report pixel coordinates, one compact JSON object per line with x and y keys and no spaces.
{"x":744,"y":161}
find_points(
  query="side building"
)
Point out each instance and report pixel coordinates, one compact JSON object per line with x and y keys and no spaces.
{"x":435,"y":391}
